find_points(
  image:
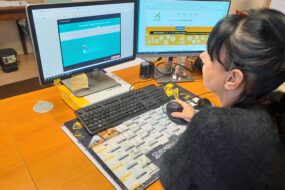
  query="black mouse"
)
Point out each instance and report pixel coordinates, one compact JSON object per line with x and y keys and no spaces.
{"x":202,"y":103}
{"x":175,"y":107}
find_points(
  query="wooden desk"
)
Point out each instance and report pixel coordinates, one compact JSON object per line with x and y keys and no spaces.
{"x":15,"y":13}
{"x":36,"y":154}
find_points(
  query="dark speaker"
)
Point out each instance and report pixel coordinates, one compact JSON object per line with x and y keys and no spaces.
{"x":146,"y":70}
{"x":9,"y":60}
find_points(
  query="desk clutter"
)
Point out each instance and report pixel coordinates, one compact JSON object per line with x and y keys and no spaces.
{"x":128,"y":154}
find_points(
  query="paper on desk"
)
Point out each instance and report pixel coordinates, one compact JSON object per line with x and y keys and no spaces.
{"x":79,"y":82}
{"x":13,"y":3}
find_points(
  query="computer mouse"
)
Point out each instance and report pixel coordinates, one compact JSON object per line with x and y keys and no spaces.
{"x":175,"y":107}
{"x":202,"y":103}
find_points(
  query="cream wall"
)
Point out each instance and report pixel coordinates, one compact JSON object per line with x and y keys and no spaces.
{"x":9,"y":36}
{"x":246,"y":4}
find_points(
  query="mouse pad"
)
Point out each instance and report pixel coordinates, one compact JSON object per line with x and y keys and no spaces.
{"x":175,"y":91}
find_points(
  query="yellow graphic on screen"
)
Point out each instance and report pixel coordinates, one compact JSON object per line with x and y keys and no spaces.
{"x":160,"y":36}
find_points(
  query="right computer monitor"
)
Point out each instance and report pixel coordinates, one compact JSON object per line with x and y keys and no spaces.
{"x":175,"y":27}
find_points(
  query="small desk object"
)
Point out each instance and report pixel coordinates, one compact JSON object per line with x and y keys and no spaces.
{"x":15,"y":13}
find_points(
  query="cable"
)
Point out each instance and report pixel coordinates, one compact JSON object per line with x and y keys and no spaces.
{"x":166,"y":74}
{"x":133,"y":84}
{"x":186,"y":68}
{"x":158,"y":59}
{"x":160,"y":72}
{"x":170,"y":61}
{"x":171,"y":70}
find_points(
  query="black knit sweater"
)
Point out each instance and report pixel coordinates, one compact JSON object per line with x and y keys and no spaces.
{"x":226,"y":149}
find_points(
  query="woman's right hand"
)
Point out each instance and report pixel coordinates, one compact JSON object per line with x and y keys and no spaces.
{"x":187,"y":113}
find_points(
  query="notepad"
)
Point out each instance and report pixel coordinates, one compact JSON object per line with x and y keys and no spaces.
{"x":79,"y":82}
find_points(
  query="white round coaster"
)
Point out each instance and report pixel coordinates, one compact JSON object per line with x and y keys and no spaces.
{"x":42,"y":106}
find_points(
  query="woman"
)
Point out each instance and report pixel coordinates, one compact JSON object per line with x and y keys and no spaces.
{"x":238,"y":146}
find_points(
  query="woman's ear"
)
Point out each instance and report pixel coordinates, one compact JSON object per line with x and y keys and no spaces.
{"x":234,"y":79}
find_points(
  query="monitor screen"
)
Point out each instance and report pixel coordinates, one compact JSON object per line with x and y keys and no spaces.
{"x":76,"y":37}
{"x":177,"y":26}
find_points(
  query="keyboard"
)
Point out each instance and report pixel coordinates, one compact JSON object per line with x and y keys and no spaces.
{"x":113,"y":111}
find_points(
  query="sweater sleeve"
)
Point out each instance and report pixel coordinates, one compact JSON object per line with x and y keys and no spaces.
{"x":220,"y":151}
{"x":183,"y":166}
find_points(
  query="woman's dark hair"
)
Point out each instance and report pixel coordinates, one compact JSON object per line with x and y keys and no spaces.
{"x":255,"y":44}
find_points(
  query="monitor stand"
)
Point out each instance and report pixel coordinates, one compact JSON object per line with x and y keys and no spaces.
{"x":166,"y":71}
{"x":97,"y":81}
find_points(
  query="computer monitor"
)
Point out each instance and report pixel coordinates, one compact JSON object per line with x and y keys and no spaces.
{"x":72,"y":38}
{"x":177,"y":27}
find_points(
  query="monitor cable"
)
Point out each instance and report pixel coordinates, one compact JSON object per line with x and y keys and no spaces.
{"x":170,"y":67}
{"x":147,"y":80}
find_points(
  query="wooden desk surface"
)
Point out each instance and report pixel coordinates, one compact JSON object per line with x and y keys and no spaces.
{"x":36,"y":154}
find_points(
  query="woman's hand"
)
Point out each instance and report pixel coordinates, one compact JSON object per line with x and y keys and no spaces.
{"x":187,"y":113}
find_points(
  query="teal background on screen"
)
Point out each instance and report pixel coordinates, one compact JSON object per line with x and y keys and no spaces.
{"x":90,"y":48}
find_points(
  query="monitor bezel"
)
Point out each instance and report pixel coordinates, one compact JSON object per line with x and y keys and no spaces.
{"x":169,"y":53}
{"x":31,"y":7}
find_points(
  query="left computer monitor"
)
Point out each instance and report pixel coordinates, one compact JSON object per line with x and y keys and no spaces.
{"x":72,"y":38}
